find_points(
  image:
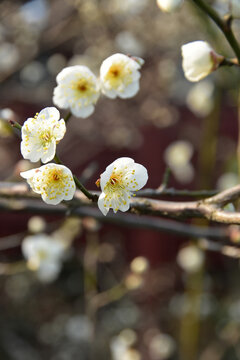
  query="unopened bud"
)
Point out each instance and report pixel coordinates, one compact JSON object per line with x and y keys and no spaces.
{"x":199,"y":60}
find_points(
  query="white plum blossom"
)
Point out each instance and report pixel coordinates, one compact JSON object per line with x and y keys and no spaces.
{"x":200,"y":98}
{"x":44,"y":255}
{"x":78,"y":90}
{"x":169,"y":5}
{"x":199,"y":60}
{"x":54,"y":182}
{"x":178,"y":157}
{"x":40,"y":135}
{"x":118,"y":182}
{"x":119,"y":76}
{"x":190,"y":258}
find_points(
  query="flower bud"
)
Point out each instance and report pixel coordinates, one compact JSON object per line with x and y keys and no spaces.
{"x":199,"y":60}
{"x":169,"y":5}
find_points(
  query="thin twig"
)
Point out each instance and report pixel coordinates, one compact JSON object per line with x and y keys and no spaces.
{"x":223,"y":24}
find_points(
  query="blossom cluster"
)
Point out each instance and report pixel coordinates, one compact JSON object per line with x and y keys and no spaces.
{"x":78,"y":89}
{"x":40,"y":135}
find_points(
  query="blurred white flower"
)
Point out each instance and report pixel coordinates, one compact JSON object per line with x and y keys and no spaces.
{"x":129,"y":7}
{"x":79,"y":328}
{"x":35,"y":13}
{"x":169,"y":5}
{"x":118,"y":182}
{"x":78,"y":89}
{"x":190,"y":258}
{"x":199,"y":60}
{"x":6,"y":115}
{"x":177,"y":156}
{"x":119,"y":76}
{"x":128,"y":43}
{"x":161,"y":346}
{"x":36,"y":224}
{"x":235,"y":8}
{"x":121,"y":346}
{"x":139,"y":265}
{"x":227,"y":181}
{"x":54,"y":182}
{"x":44,"y":255}
{"x":9,"y":56}
{"x":200,"y":98}
{"x":33,"y":73}
{"x":40,"y":135}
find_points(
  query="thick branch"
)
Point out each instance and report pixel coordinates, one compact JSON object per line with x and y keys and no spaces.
{"x":210,"y":208}
{"x":120,"y":219}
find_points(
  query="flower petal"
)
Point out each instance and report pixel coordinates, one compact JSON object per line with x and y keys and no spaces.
{"x":101,"y":204}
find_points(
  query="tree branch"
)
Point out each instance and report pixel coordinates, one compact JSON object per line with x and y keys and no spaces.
{"x":210,"y":208}
{"x":119,"y":219}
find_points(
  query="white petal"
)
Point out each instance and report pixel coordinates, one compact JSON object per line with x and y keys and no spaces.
{"x":28,"y":126}
{"x":125,"y":206}
{"x":111,"y":94}
{"x":123,"y":161}
{"x":49,"y":112}
{"x":83,"y":111}
{"x":53,"y":201}
{"x":59,"y":98}
{"x":71,"y":71}
{"x":59,"y":130}
{"x":197,"y":60}
{"x":105,"y":176}
{"x":130,"y":91}
{"x":28,"y":174}
{"x":49,"y":154}
{"x":137,"y":179}
{"x":101,"y":203}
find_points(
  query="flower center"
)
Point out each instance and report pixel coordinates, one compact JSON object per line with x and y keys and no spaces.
{"x":114,"y":180}
{"x":42,"y":254}
{"x":82,"y":86}
{"x":56,"y":175}
{"x":46,"y":136}
{"x":119,"y":75}
{"x":115,"y":183}
{"x":114,"y":71}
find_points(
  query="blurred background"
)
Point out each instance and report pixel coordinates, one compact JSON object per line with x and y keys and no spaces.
{"x":121,"y":293}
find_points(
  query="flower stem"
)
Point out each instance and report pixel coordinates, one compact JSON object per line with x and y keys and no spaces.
{"x":230,"y":62}
{"x":80,"y":186}
{"x":223,"y":24}
{"x":67,"y":117}
{"x":78,"y":183}
{"x":57,"y":160}
{"x":15,"y":124}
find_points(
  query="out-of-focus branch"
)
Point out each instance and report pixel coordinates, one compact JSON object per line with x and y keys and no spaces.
{"x":176,"y":193}
{"x":36,"y":206}
{"x":230,"y":251}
